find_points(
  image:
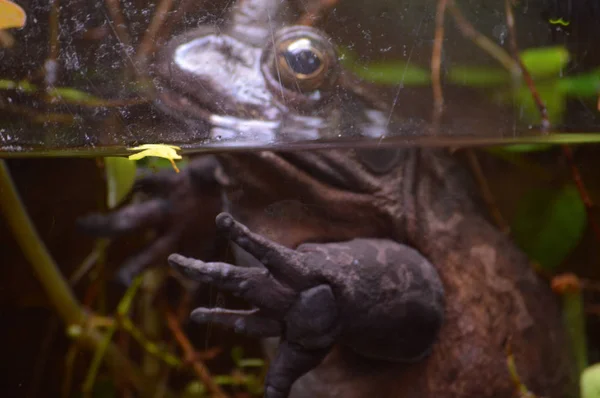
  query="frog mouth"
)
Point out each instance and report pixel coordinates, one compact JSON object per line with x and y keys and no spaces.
{"x":218,"y":121}
{"x":222,"y":128}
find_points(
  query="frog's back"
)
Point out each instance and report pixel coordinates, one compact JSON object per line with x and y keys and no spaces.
{"x":494,"y":302}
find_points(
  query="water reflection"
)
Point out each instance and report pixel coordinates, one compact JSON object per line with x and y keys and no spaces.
{"x":87,"y":90}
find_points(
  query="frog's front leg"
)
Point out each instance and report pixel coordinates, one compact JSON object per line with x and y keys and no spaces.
{"x":177,"y":207}
{"x":378,"y":297}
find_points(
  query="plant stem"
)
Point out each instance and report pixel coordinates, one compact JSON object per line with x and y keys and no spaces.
{"x":56,"y":286}
{"x":35,"y":251}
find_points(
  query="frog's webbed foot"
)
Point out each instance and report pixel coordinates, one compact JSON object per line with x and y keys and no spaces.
{"x":380,"y":298}
{"x":172,"y":208}
{"x":290,"y":302}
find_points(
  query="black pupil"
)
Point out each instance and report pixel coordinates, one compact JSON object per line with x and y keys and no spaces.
{"x":302,"y":61}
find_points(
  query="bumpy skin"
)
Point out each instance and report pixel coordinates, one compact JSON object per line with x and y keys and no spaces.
{"x":424,"y":199}
{"x":321,"y":294}
{"x":365,"y":201}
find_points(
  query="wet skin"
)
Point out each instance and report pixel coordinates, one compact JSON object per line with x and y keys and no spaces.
{"x":375,"y":268}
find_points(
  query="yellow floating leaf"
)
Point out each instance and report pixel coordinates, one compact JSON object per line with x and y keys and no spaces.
{"x":158,"y":150}
{"x":11,"y":15}
{"x":559,"y":21}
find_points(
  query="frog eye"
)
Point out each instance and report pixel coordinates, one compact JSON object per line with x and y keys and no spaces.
{"x":302,"y":59}
{"x":301,"y":64}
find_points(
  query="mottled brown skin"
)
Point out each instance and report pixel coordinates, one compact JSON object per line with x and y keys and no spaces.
{"x":424,"y":200}
{"x":492,"y":295}
{"x":426,"y":254}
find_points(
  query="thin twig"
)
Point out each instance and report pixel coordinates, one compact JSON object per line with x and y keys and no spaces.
{"x":120,"y":29}
{"x":567,"y":152}
{"x":520,"y":388}
{"x":199,"y":368}
{"x":122,"y":310}
{"x":70,"y":359}
{"x":148,"y":42}
{"x":89,"y":261}
{"x":512,"y":37}
{"x":436,"y":63}
{"x":118,"y":23}
{"x":583,"y":193}
{"x":51,"y":63}
{"x":148,"y":345}
{"x":486,"y":192}
{"x":482,"y":41}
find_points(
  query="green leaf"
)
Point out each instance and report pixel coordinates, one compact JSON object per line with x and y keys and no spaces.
{"x":553,"y":98}
{"x":544,"y":62}
{"x":582,"y":85}
{"x":549,"y":224}
{"x":574,"y":322}
{"x":120,"y":176}
{"x":194,"y":389}
{"x":590,"y":382}
{"x":386,"y":72}
{"x":393,"y":72}
{"x":478,"y":76}
{"x":251,"y":363}
{"x":237,"y":353}
{"x":69,"y":94}
{"x":226,"y":380}
{"x":521,"y":148}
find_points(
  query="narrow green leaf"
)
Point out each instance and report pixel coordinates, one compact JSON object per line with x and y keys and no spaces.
{"x":251,"y":363}
{"x":590,"y":382}
{"x":574,"y":321}
{"x":521,"y":148}
{"x":544,"y":62}
{"x":386,"y":72}
{"x":549,"y":224}
{"x":70,"y":94}
{"x":478,"y":76}
{"x":120,"y":176}
{"x":394,"y":72}
{"x":237,"y":353}
{"x":226,"y":380}
{"x":582,"y":85}
{"x":7,"y":84}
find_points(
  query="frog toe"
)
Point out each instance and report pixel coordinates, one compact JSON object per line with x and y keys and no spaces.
{"x":250,"y":322}
{"x":127,"y":219}
{"x":291,"y":362}
{"x":254,"y":285}
{"x":151,"y":255}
